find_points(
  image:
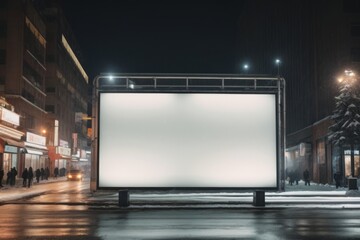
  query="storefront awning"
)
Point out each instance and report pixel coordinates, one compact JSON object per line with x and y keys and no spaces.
{"x":34,"y":151}
{"x":35,"y":146}
{"x":12,"y":142}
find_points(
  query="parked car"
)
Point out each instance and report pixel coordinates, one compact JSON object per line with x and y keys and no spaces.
{"x":75,"y":175}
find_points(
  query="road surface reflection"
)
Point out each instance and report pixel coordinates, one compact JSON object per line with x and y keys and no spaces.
{"x":63,"y":214}
{"x":20,"y":221}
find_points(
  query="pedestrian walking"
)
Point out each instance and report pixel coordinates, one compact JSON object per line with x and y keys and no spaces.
{"x":1,"y":176}
{"x":47,"y":173}
{"x":297,"y":177}
{"x":337,"y":178}
{"x":56,"y":172}
{"x":42,"y":173}
{"x":13,"y":176}
{"x":37,"y":175}
{"x":291,"y":177}
{"x":24,"y":176}
{"x":62,"y":172}
{"x":30,"y":176}
{"x":8,"y":177}
{"x":306,"y":175}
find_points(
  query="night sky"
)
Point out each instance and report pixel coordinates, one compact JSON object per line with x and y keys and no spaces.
{"x":155,"y":36}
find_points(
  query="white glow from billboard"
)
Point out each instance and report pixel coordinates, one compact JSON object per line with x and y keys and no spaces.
{"x":193,"y":140}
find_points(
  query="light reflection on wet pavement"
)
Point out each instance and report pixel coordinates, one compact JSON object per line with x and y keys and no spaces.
{"x":27,"y":221}
{"x":51,"y":216}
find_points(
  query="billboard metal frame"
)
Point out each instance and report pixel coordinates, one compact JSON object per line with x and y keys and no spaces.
{"x":190,"y":83}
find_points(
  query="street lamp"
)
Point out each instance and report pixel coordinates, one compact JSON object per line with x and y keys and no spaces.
{"x":348,"y":77}
{"x":246,"y":67}
{"x":349,"y":73}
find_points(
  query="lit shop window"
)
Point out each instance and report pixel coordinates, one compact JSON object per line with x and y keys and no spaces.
{"x":347,"y":157}
{"x":320,"y":152}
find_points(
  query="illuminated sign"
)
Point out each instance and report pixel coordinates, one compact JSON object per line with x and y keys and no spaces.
{"x":187,"y":140}
{"x":10,"y":117}
{"x":36,"y":139}
{"x":10,"y":149}
{"x":63,"y":151}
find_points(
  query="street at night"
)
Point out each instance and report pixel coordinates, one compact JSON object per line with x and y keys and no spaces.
{"x":134,"y":119}
{"x":67,"y":210}
{"x":32,"y":221}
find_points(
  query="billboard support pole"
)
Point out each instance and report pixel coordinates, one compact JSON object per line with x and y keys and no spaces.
{"x":259,"y":198}
{"x":281,"y":132}
{"x":94,"y":120}
{"x":124,"y":198}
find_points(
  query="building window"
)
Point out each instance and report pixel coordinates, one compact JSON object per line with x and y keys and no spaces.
{"x":50,"y":58}
{"x":351,"y":6}
{"x":2,"y":56}
{"x":50,"y":90}
{"x":3,"y":4}
{"x":347,"y":157}
{"x":355,"y":54}
{"x":28,"y":96}
{"x":320,"y":151}
{"x":29,"y":122}
{"x":355,"y":30}
{"x":50,"y":108}
{"x":30,"y":74}
{"x":3,"y":29}
{"x":32,"y":161}
{"x":34,"y":42}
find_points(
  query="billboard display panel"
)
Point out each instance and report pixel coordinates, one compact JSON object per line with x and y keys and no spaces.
{"x":187,"y":140}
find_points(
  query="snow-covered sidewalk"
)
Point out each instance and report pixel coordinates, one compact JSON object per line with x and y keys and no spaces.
{"x":297,"y":199}
{"x":11,"y":193}
{"x":315,"y":195}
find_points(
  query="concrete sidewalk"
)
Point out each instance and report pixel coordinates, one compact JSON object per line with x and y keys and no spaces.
{"x":16,"y":192}
{"x":315,"y":195}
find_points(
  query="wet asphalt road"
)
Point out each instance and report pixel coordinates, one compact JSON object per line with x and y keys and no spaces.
{"x":40,"y":218}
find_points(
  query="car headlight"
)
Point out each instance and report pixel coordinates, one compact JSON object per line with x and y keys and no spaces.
{"x":79,"y":176}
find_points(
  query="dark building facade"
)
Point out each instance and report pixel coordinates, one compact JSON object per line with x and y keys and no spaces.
{"x":316,"y":41}
{"x":43,"y":88}
{"x":66,"y":89}
{"x":22,"y":80}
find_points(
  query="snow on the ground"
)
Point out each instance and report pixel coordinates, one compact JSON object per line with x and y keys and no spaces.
{"x":353,"y":193}
{"x":313,"y":187}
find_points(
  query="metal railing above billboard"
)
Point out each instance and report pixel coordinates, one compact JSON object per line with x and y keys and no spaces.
{"x":187,"y":82}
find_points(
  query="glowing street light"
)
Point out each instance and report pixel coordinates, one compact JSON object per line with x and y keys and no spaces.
{"x":349,"y":73}
{"x":245,"y":67}
{"x":348,"y":77}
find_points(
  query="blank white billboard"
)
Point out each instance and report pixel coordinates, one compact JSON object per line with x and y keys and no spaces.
{"x":187,"y":140}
